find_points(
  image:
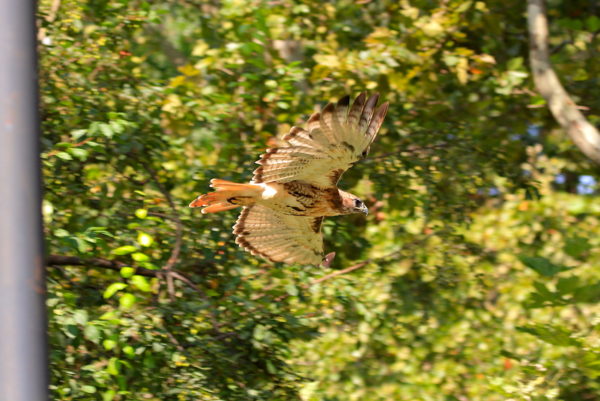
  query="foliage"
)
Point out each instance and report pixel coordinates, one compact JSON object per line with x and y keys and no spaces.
{"x":472,"y":278}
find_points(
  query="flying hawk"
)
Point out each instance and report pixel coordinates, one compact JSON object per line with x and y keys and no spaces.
{"x":295,"y":186}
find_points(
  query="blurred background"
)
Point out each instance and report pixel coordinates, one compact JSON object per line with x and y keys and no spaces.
{"x":474,"y":276}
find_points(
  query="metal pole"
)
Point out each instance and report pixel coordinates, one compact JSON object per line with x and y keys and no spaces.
{"x":23,"y":350}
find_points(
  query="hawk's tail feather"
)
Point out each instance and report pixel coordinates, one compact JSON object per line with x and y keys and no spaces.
{"x":218,"y":207}
{"x":221,"y":185}
{"x":228,"y":195}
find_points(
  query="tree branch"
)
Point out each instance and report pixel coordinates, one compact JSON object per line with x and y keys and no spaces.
{"x":171,"y":51}
{"x":413,"y":150}
{"x":178,"y":229}
{"x":339,"y":272}
{"x":61,"y":260}
{"x":50,"y":18}
{"x":585,"y":136}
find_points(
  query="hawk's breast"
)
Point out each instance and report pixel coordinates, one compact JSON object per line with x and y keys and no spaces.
{"x":299,"y":198}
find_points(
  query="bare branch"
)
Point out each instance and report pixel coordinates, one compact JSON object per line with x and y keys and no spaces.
{"x":61,"y":260}
{"x":171,"y":51}
{"x":75,"y":145}
{"x":413,"y":150}
{"x":339,"y":272}
{"x":585,"y":136}
{"x":178,"y":228}
{"x":50,"y":18}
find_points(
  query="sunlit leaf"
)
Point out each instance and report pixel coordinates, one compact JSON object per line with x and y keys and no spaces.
{"x":113,"y":288}
{"x":144,"y":239}
{"x":124,"y":250}
{"x":542,"y":265}
{"x":141,"y":283}
{"x":127,"y":300}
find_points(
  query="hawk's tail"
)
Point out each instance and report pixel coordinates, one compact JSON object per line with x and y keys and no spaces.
{"x":228,"y":195}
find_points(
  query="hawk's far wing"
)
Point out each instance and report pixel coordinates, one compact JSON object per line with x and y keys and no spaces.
{"x":279,"y":237}
{"x":335,"y":139}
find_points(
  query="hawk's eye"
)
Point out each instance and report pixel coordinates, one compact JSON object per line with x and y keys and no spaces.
{"x":357,"y":203}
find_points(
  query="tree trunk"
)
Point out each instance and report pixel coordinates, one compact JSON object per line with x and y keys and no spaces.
{"x":564,"y":110}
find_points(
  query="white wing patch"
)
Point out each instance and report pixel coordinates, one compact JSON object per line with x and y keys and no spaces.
{"x":334,"y":140}
{"x":279,"y":237}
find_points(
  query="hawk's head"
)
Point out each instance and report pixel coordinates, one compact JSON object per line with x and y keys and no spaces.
{"x":351,"y":204}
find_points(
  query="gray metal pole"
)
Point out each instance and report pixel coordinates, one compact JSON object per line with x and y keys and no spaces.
{"x":23,"y":351}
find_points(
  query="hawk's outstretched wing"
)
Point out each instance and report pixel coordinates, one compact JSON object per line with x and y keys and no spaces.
{"x":335,"y":139}
{"x":279,"y":237}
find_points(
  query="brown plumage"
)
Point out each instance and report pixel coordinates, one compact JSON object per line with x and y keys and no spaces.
{"x":295,"y":186}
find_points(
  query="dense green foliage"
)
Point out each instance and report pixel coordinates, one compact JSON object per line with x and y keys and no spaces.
{"x":474,"y":277}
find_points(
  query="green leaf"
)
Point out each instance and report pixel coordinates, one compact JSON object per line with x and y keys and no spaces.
{"x":567,"y":285}
{"x":127,"y":272}
{"x":270,"y":367}
{"x":515,"y":63}
{"x":64,"y":156}
{"x":593,"y":23}
{"x":144,"y":239}
{"x":127,"y":300}
{"x":291,"y":289}
{"x":577,"y":246}
{"x":555,"y":335}
{"x":141,"y":213}
{"x":542,"y":265}
{"x":141,"y":283}
{"x":140,"y":257}
{"x":92,"y":333}
{"x":78,"y":133}
{"x":88,"y":389}
{"x":80,"y":316}
{"x":129,"y":351}
{"x":117,"y":126}
{"x":113,"y":366}
{"x":260,"y":332}
{"x":109,"y":395}
{"x":106,"y":130}
{"x":124,"y":250}
{"x":587,"y":293}
{"x":113,"y":288}
{"x":79,"y":153}
{"x":61,"y":233}
{"x":71,"y":331}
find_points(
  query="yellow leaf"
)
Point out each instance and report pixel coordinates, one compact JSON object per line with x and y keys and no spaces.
{"x":188,"y":70}
{"x":200,"y":48}
{"x":327,"y":60}
{"x":485,"y":58}
{"x":177,"y":81}
{"x":462,"y":70}
{"x":397,"y":81}
{"x":481,"y":6}
{"x":171,"y":103}
{"x":379,"y":35}
{"x":144,"y":239}
{"x":432,"y":28}
{"x":463,"y":51}
{"x":409,"y":11}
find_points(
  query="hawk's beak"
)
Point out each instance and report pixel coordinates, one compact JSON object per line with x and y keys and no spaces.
{"x":364,"y":210}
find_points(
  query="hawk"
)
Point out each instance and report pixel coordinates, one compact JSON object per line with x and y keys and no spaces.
{"x":295,"y":186}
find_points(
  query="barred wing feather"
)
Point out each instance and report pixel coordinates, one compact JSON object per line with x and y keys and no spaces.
{"x":279,"y":237}
{"x":334,"y":139}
